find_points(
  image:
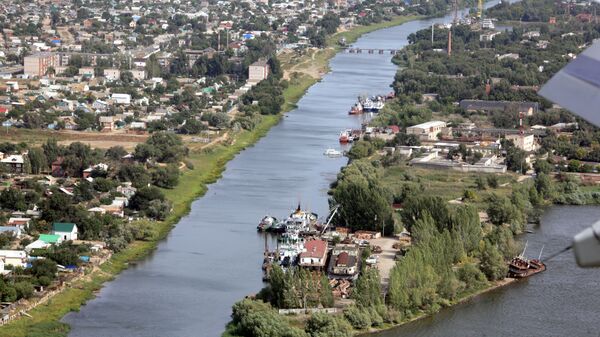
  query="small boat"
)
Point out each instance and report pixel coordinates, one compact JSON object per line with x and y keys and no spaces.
{"x":356,"y":109}
{"x":521,"y":267}
{"x":333,"y":153}
{"x":346,"y":136}
{"x":266,"y":223}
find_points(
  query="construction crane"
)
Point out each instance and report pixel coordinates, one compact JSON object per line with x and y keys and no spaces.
{"x":480,"y":9}
{"x":330,"y":218}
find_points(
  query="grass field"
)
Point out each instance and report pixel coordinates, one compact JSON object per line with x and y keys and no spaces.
{"x":448,"y":184}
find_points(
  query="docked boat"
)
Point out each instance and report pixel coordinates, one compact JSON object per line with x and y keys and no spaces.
{"x":346,"y":136}
{"x":298,"y":221}
{"x":356,"y":109}
{"x":373,"y":104}
{"x":333,"y":153}
{"x":521,"y":267}
{"x":266,"y":223}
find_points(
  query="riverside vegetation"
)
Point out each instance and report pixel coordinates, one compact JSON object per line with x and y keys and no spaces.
{"x":455,"y":253}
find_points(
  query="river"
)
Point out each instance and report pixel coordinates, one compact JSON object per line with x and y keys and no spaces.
{"x":212,"y":258}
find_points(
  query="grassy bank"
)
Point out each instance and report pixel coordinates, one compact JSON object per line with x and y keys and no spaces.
{"x":462,"y":299}
{"x":208,"y":166}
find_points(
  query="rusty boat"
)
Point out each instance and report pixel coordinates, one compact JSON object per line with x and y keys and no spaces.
{"x":521,"y":267}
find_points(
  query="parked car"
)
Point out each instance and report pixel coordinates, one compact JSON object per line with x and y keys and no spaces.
{"x":372,"y":259}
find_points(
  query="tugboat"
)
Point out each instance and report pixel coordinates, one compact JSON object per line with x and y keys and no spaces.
{"x":521,"y":267}
{"x":345,"y":137}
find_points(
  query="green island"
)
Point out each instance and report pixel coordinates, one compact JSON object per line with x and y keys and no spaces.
{"x":461,"y":161}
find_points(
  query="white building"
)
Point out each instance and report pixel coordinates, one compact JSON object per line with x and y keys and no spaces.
{"x":112,"y":74}
{"x":523,"y":142}
{"x":66,"y":231}
{"x":17,"y":258}
{"x":426,"y":131}
{"x":121,"y":98}
{"x":258,"y":71}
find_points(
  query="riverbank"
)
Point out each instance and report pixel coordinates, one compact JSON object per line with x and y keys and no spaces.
{"x":356,"y":32}
{"x":208,"y":166}
{"x":467,"y":297}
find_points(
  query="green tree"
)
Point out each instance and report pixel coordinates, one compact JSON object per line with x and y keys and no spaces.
{"x":37,"y":160}
{"x":165,"y":177}
{"x":501,"y":210}
{"x":367,"y":290}
{"x":471,"y":276}
{"x":492,"y":181}
{"x":44,"y":268}
{"x":544,"y":186}
{"x":359,"y":318}
{"x":134,"y":173}
{"x":323,"y":325}
{"x":492,"y":264}
{"x":142,"y":198}
{"x":115,"y":153}
{"x":364,"y":203}
{"x":542,"y":166}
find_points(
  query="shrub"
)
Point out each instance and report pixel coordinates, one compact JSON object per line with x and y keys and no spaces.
{"x":24,"y":289}
{"x":358,"y":318}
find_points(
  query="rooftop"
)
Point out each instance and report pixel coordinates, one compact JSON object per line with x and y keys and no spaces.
{"x":63,"y":227}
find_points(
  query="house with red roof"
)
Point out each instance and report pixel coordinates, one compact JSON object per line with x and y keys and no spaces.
{"x":315,"y":254}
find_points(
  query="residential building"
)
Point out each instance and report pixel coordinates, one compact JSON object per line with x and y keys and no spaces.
{"x":14,"y":231}
{"x":107,"y":123}
{"x":66,"y":231}
{"x":523,"y":142}
{"x":426,"y":131}
{"x":112,"y":74}
{"x":258,"y":71}
{"x":16,"y":258}
{"x":138,"y":74}
{"x":44,"y":241}
{"x":344,"y":262}
{"x":121,"y":98}
{"x":13,"y":163}
{"x":22,"y":223}
{"x":39,"y":63}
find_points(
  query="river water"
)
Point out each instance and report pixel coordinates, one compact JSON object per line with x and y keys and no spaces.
{"x":212,"y":258}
